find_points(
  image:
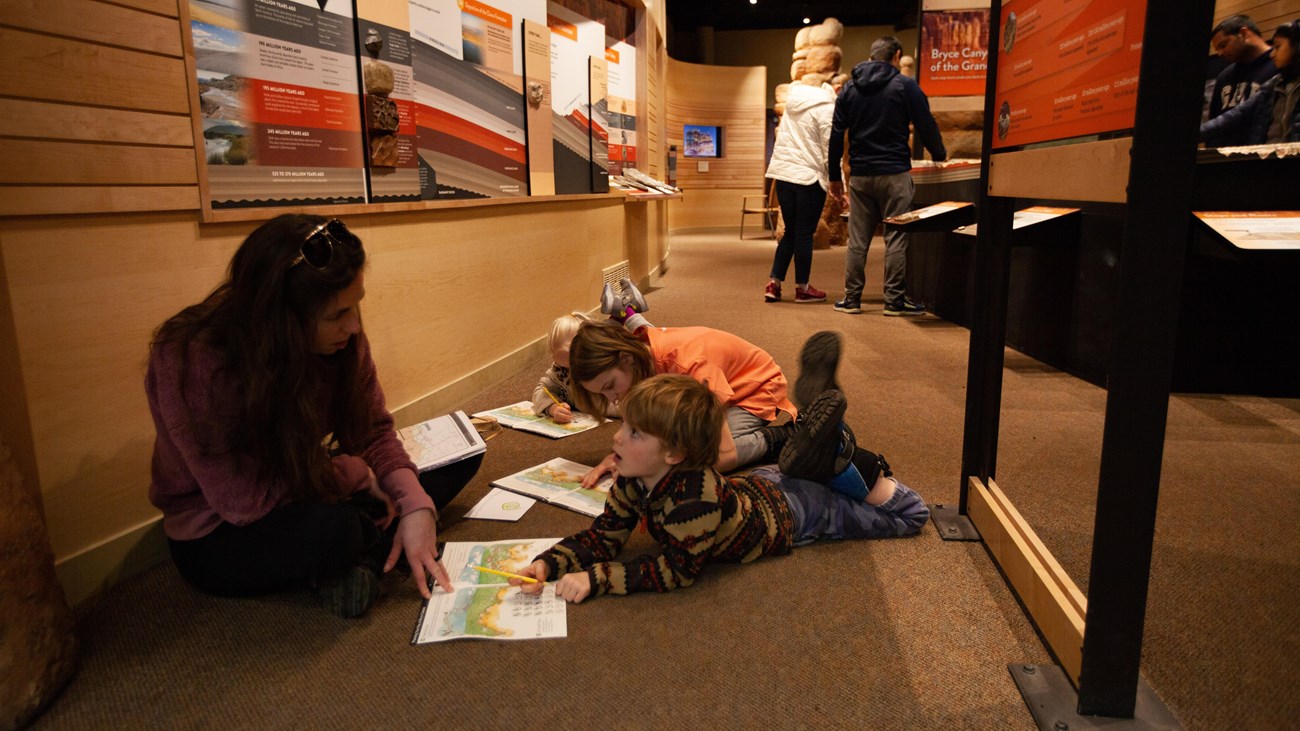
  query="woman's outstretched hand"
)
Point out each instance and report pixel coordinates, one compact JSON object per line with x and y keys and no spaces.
{"x":417,"y":537}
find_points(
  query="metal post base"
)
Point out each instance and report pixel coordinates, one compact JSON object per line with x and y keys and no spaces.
{"x":952,"y":526}
{"x":1053,"y":702}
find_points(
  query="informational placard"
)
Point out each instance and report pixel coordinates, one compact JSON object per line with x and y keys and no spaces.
{"x":279,"y":102}
{"x":598,"y":73}
{"x":574,"y":40}
{"x":537,"y":108}
{"x":621,"y":61}
{"x":921,"y":214}
{"x":1066,"y":68}
{"x":954,"y":52}
{"x":1256,"y":230}
{"x":469,"y":93}
{"x":1024,"y":218}
{"x":388,"y":86}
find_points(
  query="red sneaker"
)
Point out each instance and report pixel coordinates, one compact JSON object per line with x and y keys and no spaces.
{"x":808,"y":294}
{"x":773,"y":292}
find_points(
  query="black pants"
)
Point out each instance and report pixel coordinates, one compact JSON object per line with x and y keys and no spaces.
{"x":801,"y":209}
{"x":301,"y":542}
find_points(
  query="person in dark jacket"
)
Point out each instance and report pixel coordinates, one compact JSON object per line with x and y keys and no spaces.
{"x":1270,"y":115}
{"x":1237,"y":40}
{"x":876,"y":108}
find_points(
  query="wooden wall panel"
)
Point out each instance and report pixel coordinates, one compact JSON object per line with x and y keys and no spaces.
{"x":49,"y":68}
{"x":72,"y":163}
{"x":94,"y":109}
{"x":730,"y":96}
{"x":65,"y":199}
{"x":169,"y":8}
{"x":97,"y":22}
{"x":1267,"y":15}
{"x":44,"y":120}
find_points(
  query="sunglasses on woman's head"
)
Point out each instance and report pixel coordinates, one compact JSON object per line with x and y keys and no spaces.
{"x":318,"y":248}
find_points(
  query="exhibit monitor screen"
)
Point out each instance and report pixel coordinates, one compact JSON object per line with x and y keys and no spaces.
{"x":701,"y":140}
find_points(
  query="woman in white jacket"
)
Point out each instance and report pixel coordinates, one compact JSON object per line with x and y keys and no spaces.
{"x":799,"y":168}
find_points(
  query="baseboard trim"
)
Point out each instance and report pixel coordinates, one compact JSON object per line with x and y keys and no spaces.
{"x":87,"y":573}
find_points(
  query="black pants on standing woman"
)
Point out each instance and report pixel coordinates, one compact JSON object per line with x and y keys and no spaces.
{"x":801,"y":209}
{"x":302,"y":542}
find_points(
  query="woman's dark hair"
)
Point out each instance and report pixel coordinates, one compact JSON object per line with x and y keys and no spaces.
{"x":262,"y":320}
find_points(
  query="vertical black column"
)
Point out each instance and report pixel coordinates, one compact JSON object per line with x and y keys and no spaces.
{"x":988,"y":325}
{"x":1161,"y":173}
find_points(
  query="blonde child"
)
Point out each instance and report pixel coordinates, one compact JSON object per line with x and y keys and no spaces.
{"x":665,"y":449}
{"x":551,"y":394}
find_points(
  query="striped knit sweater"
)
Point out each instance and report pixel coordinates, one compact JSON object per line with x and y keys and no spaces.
{"x":696,"y":516}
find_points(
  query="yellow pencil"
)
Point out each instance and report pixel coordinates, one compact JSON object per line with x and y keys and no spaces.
{"x":486,"y":570}
{"x":548,"y":393}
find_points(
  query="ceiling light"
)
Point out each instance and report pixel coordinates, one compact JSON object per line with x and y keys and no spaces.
{"x":753,"y":2}
{"x":806,"y":21}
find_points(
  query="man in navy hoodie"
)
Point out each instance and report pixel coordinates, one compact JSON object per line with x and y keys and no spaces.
{"x":876,"y":108}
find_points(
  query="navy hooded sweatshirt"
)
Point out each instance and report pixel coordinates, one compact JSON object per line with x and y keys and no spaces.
{"x":876,"y":107}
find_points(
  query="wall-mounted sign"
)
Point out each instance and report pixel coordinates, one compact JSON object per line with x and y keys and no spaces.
{"x":1067,"y":68}
{"x":954,"y":52}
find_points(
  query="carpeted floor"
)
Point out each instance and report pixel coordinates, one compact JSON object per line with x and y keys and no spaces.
{"x":896,"y":634}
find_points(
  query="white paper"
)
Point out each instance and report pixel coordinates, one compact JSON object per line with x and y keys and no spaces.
{"x":501,"y":504}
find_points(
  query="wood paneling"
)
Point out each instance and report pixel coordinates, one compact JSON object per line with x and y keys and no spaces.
{"x":51,"y":199}
{"x":72,"y":163}
{"x":1089,"y":171}
{"x":49,"y":68}
{"x":97,"y":22}
{"x":168,"y":8}
{"x":730,"y":96}
{"x":1267,"y":15}
{"x":43,"y":120}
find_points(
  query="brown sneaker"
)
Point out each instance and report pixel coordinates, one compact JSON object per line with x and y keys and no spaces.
{"x":808,"y":293}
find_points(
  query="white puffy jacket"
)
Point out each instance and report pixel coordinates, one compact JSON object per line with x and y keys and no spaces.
{"x":799,"y":154}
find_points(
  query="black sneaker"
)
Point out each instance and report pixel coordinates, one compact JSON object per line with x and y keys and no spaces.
{"x":849,"y":305}
{"x":818,"y":362}
{"x":351,"y":594}
{"x":812,"y":450}
{"x":903,"y":306}
{"x":775,"y":437}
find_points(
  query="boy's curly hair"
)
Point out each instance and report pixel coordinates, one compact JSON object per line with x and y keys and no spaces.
{"x":682,"y":413}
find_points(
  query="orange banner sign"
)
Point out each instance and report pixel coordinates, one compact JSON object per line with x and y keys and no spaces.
{"x":1067,"y":68}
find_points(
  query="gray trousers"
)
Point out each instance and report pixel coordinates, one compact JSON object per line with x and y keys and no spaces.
{"x":873,"y":198}
{"x":744,"y":426}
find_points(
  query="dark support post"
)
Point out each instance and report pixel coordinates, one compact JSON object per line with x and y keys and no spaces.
{"x":1161,"y":176}
{"x":989,"y":309}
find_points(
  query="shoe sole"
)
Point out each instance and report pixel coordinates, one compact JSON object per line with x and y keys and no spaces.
{"x":349,"y":596}
{"x":771,"y":299}
{"x":608,"y":302}
{"x":632,"y":296}
{"x":808,"y":300}
{"x":849,"y":310}
{"x":903,"y":313}
{"x":810,"y":454}
{"x":818,"y":362}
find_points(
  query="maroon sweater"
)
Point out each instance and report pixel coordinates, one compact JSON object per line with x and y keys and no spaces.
{"x":197,"y":489}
